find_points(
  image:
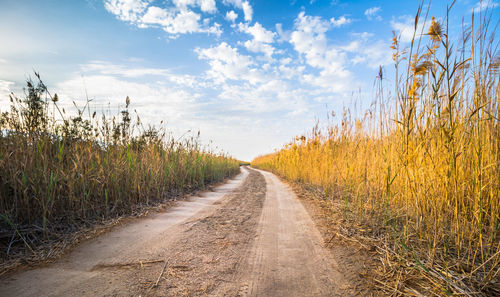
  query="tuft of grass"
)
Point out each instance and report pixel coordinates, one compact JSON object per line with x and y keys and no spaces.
{"x":423,"y":165}
{"x":59,"y":172}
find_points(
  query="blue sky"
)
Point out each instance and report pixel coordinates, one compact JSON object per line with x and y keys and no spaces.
{"x":249,"y":75}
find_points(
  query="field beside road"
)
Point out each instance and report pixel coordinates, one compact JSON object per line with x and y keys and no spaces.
{"x":63,"y":173}
{"x":421,"y":167}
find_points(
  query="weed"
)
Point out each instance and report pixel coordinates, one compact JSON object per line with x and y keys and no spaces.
{"x":427,"y":163}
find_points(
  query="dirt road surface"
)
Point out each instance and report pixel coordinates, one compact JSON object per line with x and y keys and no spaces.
{"x":248,"y":237}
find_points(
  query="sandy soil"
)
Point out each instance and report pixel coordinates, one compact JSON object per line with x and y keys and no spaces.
{"x":287,"y":258}
{"x":248,"y":237}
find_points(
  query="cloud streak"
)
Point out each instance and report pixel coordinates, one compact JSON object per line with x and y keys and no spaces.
{"x":372,"y":13}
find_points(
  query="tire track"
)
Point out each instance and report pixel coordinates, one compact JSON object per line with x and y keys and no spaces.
{"x":287,"y":258}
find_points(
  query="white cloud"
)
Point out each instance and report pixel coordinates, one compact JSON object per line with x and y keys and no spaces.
{"x":259,"y":33}
{"x":231,"y":16}
{"x":290,"y":72}
{"x":370,"y":54}
{"x":247,"y":11}
{"x":107,"y":68}
{"x":110,"y":89}
{"x":220,"y":119}
{"x":126,"y":10}
{"x":363,"y":35}
{"x":330,"y":80}
{"x":286,"y":61}
{"x":232,"y":81}
{"x":259,"y":47}
{"x":123,"y":71}
{"x":225,"y":53}
{"x":485,"y":4}
{"x":226,"y":63}
{"x":208,"y":6}
{"x":5,"y":90}
{"x":309,"y":39}
{"x":405,"y":27}
{"x":184,"y":3}
{"x":373,"y":13}
{"x":185,"y":21}
{"x":154,"y":102}
{"x":205,"y":5}
{"x":173,"y":98}
{"x":340,"y":21}
{"x":262,"y":38}
{"x":177,"y":19}
{"x":283,"y":35}
{"x":243,"y":5}
{"x":270,"y":96}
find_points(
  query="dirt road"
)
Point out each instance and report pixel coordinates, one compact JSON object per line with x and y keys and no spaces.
{"x":248,"y":237}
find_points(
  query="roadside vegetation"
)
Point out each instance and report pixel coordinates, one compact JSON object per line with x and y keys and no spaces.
{"x":60,"y":172}
{"x":421,"y":168}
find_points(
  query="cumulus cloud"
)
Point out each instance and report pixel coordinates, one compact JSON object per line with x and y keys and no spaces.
{"x":373,"y":13}
{"x":231,"y":16}
{"x":126,"y":10}
{"x":269,"y":96}
{"x":245,"y":84}
{"x":173,"y":98}
{"x":289,"y":71}
{"x":282,"y":72}
{"x":328,"y":63}
{"x":177,"y":19}
{"x":258,"y":32}
{"x":262,"y":38}
{"x":179,"y":102}
{"x":309,"y":40}
{"x":208,"y":6}
{"x":247,"y":11}
{"x":370,"y":53}
{"x":227,"y":63}
{"x":205,"y":5}
{"x":340,"y":21}
{"x":243,"y":5}
{"x":185,"y":21}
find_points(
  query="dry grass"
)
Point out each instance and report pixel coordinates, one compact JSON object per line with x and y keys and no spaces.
{"x":422,"y":165}
{"x":59,"y":173}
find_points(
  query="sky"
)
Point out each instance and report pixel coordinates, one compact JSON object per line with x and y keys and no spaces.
{"x":249,"y":75}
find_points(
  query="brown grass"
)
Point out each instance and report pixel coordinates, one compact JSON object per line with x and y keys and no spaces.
{"x":422,"y":165}
{"x":59,"y":173}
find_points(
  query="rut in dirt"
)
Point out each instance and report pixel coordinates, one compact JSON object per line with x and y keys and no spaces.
{"x":249,"y":237}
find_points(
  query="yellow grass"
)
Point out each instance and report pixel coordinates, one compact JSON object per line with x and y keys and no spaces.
{"x":59,"y":172}
{"x":424,"y":163}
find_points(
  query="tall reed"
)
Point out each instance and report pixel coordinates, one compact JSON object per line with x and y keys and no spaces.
{"x":58,"y":171}
{"x":425,"y":163}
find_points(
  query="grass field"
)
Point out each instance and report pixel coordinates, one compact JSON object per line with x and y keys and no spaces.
{"x":423,"y":163}
{"x":59,"y":172}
